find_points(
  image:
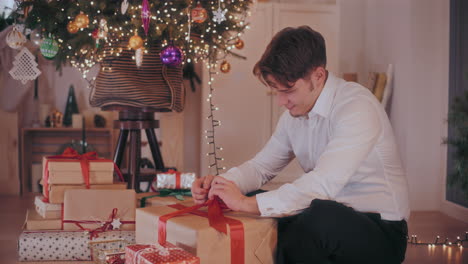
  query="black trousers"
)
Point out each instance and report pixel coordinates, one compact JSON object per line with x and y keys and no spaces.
{"x":330,"y":232}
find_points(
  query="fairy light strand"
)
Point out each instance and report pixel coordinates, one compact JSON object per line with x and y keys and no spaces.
{"x":213,"y":157}
{"x":413,"y":240}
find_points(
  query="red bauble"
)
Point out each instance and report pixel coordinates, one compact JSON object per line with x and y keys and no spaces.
{"x":199,"y":14}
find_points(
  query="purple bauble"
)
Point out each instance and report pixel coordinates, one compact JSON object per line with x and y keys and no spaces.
{"x":171,"y":56}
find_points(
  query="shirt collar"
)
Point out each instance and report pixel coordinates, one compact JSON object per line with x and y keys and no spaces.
{"x":324,"y":102}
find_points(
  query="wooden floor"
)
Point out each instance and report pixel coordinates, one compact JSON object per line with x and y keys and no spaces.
{"x":427,"y":225}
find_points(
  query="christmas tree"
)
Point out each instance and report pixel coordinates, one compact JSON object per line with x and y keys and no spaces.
{"x":206,"y":30}
{"x":71,"y":107}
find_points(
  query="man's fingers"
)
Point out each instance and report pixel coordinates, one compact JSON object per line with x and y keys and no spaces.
{"x":199,"y":201}
{"x":199,"y":191}
{"x":222,"y":181}
{"x":207,"y":182}
{"x":216,"y":190}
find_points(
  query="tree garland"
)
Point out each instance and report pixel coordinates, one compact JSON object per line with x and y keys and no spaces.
{"x":169,"y":22}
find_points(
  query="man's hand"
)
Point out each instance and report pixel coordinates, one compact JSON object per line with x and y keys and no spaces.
{"x":200,"y":188}
{"x":231,"y":195}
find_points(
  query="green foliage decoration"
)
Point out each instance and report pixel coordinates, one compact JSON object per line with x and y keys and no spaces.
{"x":170,"y":22}
{"x":458,"y":120}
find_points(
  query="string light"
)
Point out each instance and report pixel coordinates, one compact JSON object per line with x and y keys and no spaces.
{"x":213,"y":156}
{"x":413,"y":240}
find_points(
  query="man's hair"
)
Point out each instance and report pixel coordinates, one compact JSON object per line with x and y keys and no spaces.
{"x":292,"y":54}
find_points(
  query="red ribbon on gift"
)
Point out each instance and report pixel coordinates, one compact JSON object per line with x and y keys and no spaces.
{"x":69,"y":154}
{"x":216,"y":219}
{"x":105,"y":225}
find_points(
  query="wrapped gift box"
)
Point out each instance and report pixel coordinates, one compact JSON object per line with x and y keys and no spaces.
{"x":69,"y":172}
{"x":194,"y":234}
{"x":151,"y":199}
{"x":57,"y":192}
{"x":36,"y":222}
{"x":109,"y":251}
{"x":63,"y":245}
{"x":47,"y":210}
{"x":90,"y":209}
{"x":157,"y":254}
{"x":174,"y":180}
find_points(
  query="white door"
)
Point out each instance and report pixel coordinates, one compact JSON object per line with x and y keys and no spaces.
{"x":323,"y":18}
{"x":244,"y":106}
{"x":247,"y":110}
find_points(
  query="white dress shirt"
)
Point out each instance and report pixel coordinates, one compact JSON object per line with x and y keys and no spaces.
{"x":347,"y":149}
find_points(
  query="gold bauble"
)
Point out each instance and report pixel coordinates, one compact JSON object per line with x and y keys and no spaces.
{"x":239,"y":43}
{"x":82,"y":20}
{"x":225,"y":67}
{"x":135,"y":42}
{"x":72,"y":27}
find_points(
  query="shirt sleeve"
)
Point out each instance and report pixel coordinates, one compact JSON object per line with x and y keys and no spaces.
{"x":274,"y":156}
{"x":355,"y":129}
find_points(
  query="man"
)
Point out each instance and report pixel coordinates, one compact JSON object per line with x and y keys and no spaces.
{"x":351,"y":203}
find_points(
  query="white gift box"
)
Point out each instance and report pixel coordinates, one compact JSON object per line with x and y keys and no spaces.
{"x":168,"y":180}
{"x":47,"y":210}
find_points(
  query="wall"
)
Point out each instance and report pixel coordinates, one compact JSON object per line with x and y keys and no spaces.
{"x":414,"y":36}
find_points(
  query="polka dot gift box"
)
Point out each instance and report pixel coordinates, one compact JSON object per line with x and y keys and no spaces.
{"x":157,"y":254}
{"x":63,"y":245}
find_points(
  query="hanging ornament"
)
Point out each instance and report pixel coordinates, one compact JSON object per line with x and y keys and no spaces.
{"x":145,"y":15}
{"x":139,"y":57}
{"x":124,"y":7}
{"x":25,"y":66}
{"x":219,"y":15}
{"x":95,"y":33}
{"x":81,"y":20}
{"x":102,"y":34}
{"x":49,"y":48}
{"x":72,"y":27}
{"x":135,"y":42}
{"x":171,"y":55}
{"x":199,"y":14}
{"x":225,"y":67}
{"x":239,"y":43}
{"x":35,"y":37}
{"x":15,"y":39}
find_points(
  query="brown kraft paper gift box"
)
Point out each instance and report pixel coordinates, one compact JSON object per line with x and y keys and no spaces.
{"x":70,"y":172}
{"x":159,"y":201}
{"x":193,"y":234}
{"x":57,"y":192}
{"x":36,"y":222}
{"x":97,"y":207}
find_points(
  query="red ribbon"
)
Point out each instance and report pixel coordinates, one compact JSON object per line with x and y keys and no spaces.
{"x":177,"y":177}
{"x":95,"y":232}
{"x":216,"y":219}
{"x":69,"y":154}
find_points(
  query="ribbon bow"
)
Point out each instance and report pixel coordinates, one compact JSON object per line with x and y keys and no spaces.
{"x":216,"y":220}
{"x":69,"y":154}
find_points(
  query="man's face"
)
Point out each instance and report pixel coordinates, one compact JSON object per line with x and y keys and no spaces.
{"x":299,"y":99}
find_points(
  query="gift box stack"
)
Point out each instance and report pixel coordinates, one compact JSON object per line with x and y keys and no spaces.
{"x":80,"y":204}
{"x":205,"y":231}
{"x":183,"y":232}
